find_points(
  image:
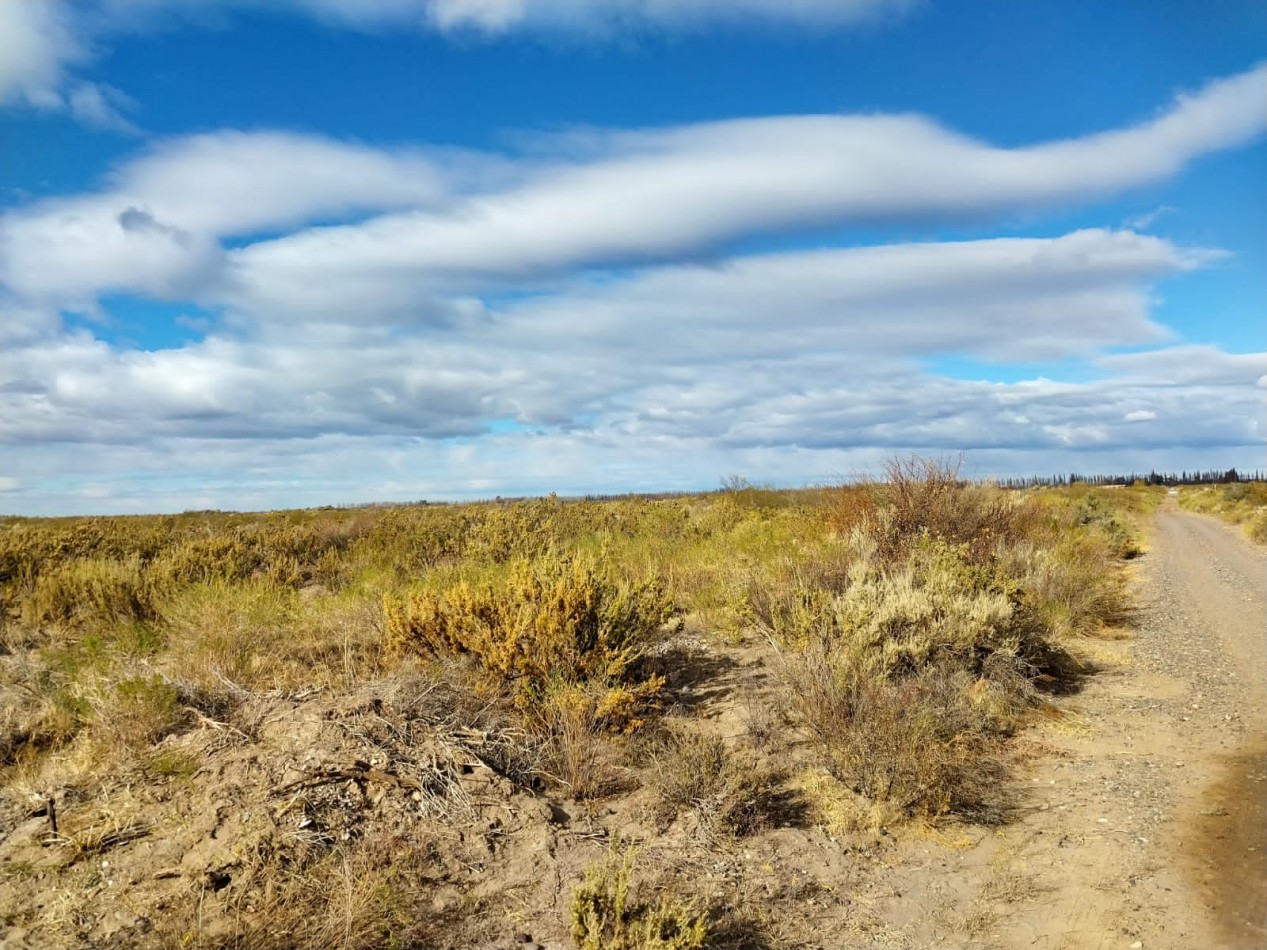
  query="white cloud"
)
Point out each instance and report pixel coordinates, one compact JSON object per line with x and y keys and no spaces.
{"x":232,"y":183}
{"x":1189,"y":365}
{"x":157,"y":229}
{"x":584,"y":17}
{"x":1004,"y":299}
{"x":654,"y":194}
{"x":101,"y":106}
{"x":795,"y":346}
{"x":583,"y":290}
{"x":42,"y":42}
{"x":37,"y":44}
{"x":458,"y":220}
{"x":605,"y":16}
{"x":69,"y":253}
{"x":793,"y":438}
{"x":1142,"y":222}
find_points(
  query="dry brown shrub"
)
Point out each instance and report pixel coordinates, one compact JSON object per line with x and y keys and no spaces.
{"x":916,"y":743}
{"x":850,"y":506}
{"x":731,"y":795}
{"x":927,"y":497}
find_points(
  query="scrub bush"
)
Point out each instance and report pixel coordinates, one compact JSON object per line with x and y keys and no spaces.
{"x":608,"y":914}
{"x":560,"y":629}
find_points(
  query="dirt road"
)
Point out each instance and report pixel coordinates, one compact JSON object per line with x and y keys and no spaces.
{"x":1148,"y":826}
{"x":1219,"y":587}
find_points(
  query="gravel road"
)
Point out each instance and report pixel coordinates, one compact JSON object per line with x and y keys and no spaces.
{"x":1146,"y":816}
{"x":1210,"y":596}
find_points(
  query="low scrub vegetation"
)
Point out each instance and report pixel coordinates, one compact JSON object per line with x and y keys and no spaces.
{"x":944,"y":621}
{"x":909,"y":626}
{"x":609,"y":912}
{"x":558,"y":630}
{"x":1240,"y":503}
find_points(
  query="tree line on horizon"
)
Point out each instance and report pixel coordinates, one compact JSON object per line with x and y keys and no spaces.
{"x":1170,"y":479}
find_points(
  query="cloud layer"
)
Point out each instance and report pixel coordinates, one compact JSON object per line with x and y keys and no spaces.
{"x":431,"y":220}
{"x":416,"y":320}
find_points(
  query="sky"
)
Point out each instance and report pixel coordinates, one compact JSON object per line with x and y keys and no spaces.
{"x":306,"y":252}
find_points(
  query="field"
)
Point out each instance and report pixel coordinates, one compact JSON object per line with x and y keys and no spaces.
{"x":629,"y":723}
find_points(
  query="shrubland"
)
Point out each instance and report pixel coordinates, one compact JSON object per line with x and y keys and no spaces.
{"x":1238,"y":503}
{"x":550,"y":650}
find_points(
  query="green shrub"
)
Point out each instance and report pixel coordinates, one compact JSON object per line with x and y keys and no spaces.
{"x":906,"y":677}
{"x":1071,"y":586}
{"x":935,"y":607}
{"x":1239,"y":503}
{"x":607,"y":914}
{"x":1257,"y":528}
{"x":141,"y":710}
{"x":89,"y":590}
{"x":560,"y":628}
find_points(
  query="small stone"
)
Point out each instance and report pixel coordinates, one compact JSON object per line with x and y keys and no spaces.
{"x":523,"y":938}
{"x":1137,"y":945}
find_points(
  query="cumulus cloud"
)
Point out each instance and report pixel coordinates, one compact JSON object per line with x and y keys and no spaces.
{"x":738,"y":352}
{"x":1188,"y":365}
{"x":1002,"y":298}
{"x":42,"y":44}
{"x":232,"y":183}
{"x":102,"y":106}
{"x":158,"y":226}
{"x":579,"y":307}
{"x":69,"y":253}
{"x":585,"y":17}
{"x":608,"y":197}
{"x":1142,"y":222}
{"x":797,"y":438}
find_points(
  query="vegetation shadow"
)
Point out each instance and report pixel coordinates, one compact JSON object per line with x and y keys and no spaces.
{"x":693,"y":676}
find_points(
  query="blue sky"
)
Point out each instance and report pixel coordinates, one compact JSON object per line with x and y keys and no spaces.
{"x":325,"y":251}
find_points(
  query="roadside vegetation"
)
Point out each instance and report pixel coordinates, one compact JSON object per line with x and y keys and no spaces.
{"x":355,"y":728}
{"x":1239,"y":503}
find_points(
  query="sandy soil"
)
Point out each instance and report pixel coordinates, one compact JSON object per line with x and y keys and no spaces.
{"x":1140,"y":814}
